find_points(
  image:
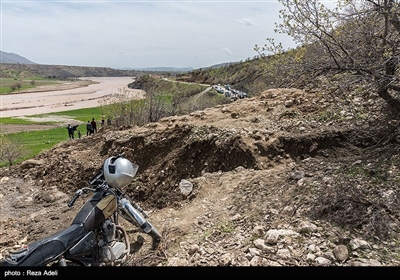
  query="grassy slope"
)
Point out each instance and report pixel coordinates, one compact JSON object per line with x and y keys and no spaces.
{"x":34,"y":142}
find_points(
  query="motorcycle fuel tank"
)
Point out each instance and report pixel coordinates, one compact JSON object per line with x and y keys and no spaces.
{"x":101,"y":206}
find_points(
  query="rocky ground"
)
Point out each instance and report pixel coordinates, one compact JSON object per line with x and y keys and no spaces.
{"x":288,"y":178}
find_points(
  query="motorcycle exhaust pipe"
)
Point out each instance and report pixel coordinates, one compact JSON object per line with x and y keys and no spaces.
{"x":133,"y":215}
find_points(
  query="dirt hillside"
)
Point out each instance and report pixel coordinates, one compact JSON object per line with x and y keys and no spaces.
{"x":287,"y":178}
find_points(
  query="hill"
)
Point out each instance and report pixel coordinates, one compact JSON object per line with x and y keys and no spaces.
{"x":6,"y":57}
{"x":165,"y":69}
{"x":248,"y":76}
{"x":285,"y":178}
{"x":20,"y":71}
{"x":11,"y":63}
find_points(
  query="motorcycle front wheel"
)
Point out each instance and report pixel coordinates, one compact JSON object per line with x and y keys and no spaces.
{"x":65,"y":262}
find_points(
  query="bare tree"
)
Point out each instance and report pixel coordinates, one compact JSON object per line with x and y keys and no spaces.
{"x":357,"y":39}
{"x":121,"y":107}
{"x":155,"y":102}
{"x":10,"y":150}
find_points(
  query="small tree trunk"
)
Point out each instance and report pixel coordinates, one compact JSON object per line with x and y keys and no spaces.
{"x":391,"y":101}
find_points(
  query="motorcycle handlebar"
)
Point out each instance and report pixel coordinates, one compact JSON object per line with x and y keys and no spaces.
{"x":78,"y":194}
{"x":74,"y":198}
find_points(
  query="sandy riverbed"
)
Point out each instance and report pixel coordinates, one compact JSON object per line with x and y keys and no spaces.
{"x":26,"y":104}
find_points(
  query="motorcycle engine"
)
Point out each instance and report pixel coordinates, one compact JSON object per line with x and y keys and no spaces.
{"x":111,"y":250}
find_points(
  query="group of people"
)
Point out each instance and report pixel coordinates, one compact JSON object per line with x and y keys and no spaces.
{"x":91,"y":128}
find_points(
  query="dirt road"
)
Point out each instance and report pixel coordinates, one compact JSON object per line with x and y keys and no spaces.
{"x":26,"y":104}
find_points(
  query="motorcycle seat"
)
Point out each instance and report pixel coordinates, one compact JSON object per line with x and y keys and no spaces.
{"x":42,"y":251}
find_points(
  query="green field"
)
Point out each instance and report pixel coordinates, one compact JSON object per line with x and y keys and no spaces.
{"x":35,"y":142}
{"x":12,"y":85}
{"x":18,"y":84}
{"x":83,"y":115}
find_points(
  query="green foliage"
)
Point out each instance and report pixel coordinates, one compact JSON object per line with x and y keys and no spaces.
{"x":376,"y":175}
{"x":163,"y":98}
{"x":204,"y":235}
{"x":10,"y":85}
{"x":227,"y":228}
{"x":10,"y":150}
{"x":327,"y":115}
{"x":15,"y":120}
{"x":35,"y":142}
{"x":83,"y":115}
{"x":355,"y":170}
{"x":250,"y":76}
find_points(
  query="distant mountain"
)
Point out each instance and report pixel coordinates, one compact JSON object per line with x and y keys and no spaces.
{"x":13,"y":58}
{"x":9,"y":70}
{"x":164,"y":69}
{"x":219,"y":65}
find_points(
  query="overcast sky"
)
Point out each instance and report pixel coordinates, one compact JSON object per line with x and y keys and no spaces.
{"x":138,"y":34}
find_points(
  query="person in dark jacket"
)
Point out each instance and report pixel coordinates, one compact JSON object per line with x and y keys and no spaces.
{"x":88,"y":128}
{"x":102,"y":120}
{"x":71,"y":130}
{"x":94,"y":126}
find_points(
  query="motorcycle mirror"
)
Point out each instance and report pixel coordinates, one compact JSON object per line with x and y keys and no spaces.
{"x":99,"y":175}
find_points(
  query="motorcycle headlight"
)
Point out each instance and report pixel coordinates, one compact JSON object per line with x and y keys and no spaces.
{"x":119,"y":171}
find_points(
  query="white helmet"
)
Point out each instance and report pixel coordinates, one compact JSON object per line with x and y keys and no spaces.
{"x":119,"y":171}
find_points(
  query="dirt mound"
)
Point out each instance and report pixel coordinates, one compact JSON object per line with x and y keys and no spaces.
{"x":257,"y":165}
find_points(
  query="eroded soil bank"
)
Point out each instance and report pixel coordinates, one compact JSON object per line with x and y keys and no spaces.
{"x":276,"y":182}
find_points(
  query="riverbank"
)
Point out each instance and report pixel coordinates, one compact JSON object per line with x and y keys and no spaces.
{"x":62,"y":99}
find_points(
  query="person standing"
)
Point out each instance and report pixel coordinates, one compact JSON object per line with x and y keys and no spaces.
{"x":102,"y":120}
{"x":71,"y":130}
{"x":88,"y":128}
{"x":94,"y":126}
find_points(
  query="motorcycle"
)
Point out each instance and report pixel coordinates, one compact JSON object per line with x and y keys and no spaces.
{"x":95,"y":236}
